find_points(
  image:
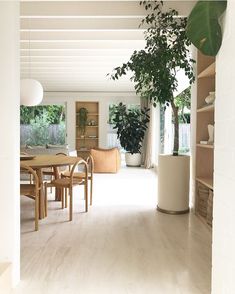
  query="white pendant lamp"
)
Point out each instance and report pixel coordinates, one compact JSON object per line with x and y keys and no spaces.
{"x":31,"y":92}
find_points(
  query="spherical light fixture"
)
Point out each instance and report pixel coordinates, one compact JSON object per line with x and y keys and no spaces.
{"x":31,"y":92}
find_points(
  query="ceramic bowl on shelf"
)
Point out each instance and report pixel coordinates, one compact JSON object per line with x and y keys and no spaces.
{"x":210,"y":98}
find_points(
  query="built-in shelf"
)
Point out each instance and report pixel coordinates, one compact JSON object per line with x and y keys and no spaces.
{"x":208,"y":182}
{"x":83,"y":150}
{"x":84,"y":143}
{"x":208,"y":72}
{"x":87,"y":138}
{"x":208,"y":146}
{"x":90,"y":113}
{"x":88,"y":126}
{"x":208,"y":108}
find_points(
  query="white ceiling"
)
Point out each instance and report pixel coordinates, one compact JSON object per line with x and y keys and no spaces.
{"x":74,"y":44}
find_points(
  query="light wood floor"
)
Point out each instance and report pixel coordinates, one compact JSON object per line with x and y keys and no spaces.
{"x":122,"y":245}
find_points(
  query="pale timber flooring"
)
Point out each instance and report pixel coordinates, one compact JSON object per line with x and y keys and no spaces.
{"x":121,"y":246}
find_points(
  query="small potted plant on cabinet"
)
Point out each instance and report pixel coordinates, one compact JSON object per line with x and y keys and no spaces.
{"x":131,"y":125}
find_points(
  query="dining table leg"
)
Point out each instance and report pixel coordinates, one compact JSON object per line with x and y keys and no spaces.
{"x":41,"y":194}
{"x":57,"y":190}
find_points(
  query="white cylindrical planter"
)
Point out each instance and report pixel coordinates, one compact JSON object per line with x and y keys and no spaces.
{"x":133,"y":159}
{"x":173,"y":184}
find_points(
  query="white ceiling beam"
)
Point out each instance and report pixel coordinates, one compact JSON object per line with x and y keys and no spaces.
{"x":115,"y":44}
{"x":80,"y":24}
{"x":98,"y":9}
{"x":81,"y":35}
{"x":81,"y":9}
{"x":74,"y":59}
{"x":76,"y":53}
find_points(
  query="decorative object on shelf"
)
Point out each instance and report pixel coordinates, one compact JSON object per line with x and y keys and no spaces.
{"x":31,"y":92}
{"x":131,"y":125}
{"x":210,"y":98}
{"x":211,"y":134}
{"x":204,"y":142}
{"x":93,"y":123}
{"x":203,"y":28}
{"x":82,"y":120}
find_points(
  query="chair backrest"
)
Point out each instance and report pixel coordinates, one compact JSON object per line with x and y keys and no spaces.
{"x":28,"y":169}
{"x":62,"y":168}
{"x":90,"y":162}
{"x":82,"y":163}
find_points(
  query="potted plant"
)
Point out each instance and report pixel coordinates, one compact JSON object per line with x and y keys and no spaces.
{"x":131,"y":125}
{"x":155,"y":71}
{"x":82,"y":123}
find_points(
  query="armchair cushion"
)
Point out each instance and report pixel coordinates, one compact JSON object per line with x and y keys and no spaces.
{"x":106,"y":160}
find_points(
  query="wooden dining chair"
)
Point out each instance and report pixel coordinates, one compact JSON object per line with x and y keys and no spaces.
{"x":26,"y":172}
{"x":80,"y":175}
{"x":67,"y":184}
{"x":50,"y":171}
{"x":31,"y":190}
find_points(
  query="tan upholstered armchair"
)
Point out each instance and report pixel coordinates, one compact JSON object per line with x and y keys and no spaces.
{"x":106,"y":160}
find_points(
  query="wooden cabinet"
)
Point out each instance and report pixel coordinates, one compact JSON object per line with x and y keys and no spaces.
{"x":204,"y":153}
{"x":88,"y":138}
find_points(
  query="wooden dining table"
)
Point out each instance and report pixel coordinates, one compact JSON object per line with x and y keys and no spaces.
{"x":38,"y":162}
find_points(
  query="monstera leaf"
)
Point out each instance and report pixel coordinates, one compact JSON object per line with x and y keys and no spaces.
{"x":203,"y":28}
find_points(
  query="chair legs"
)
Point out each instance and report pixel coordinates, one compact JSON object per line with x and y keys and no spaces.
{"x":62,"y":198}
{"x":66,"y":198}
{"x":91,"y":190}
{"x":71,"y":204}
{"x":36,"y":212}
{"x":45,"y":198}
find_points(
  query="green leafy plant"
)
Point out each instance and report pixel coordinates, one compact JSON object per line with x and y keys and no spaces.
{"x":203,"y":27}
{"x":166,"y":52}
{"x":39,"y":132}
{"x":131,"y":125}
{"x":183,"y":101}
{"x":82,"y":120}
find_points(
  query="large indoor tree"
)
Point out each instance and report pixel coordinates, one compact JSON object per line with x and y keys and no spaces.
{"x":167,"y":51}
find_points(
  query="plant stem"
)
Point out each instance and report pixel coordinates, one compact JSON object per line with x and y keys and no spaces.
{"x":176,"y":129}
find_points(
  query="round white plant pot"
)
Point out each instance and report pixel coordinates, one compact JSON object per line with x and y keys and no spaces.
{"x":133,"y":159}
{"x":173,"y":184}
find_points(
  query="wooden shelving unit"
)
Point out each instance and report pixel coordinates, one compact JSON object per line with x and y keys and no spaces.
{"x":207,"y":108}
{"x":209,"y":71}
{"x":205,"y":146}
{"x":204,"y":153}
{"x":84,"y":144}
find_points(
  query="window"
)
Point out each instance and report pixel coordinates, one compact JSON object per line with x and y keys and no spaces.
{"x":41,"y":125}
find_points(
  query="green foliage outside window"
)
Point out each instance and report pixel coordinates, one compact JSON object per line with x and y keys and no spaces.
{"x":41,"y":125}
{"x":55,"y":113}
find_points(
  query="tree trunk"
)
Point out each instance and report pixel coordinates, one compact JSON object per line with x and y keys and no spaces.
{"x":176,"y":129}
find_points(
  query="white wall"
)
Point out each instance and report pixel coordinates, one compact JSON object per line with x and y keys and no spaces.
{"x":104,"y":100}
{"x":10,"y":138}
{"x":224,"y":175}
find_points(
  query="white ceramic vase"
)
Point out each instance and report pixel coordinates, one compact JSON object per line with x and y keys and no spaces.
{"x":133,"y":159}
{"x":210,"y":98}
{"x":211,"y":134}
{"x":173,"y":184}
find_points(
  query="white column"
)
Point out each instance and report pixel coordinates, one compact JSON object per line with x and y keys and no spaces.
{"x":223,"y":255}
{"x":9,"y":130}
